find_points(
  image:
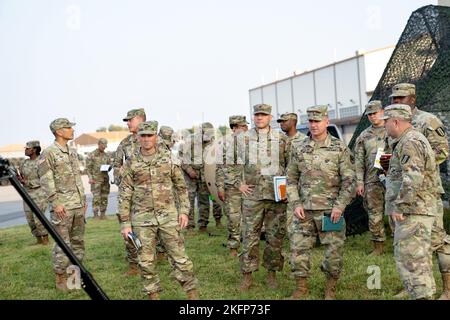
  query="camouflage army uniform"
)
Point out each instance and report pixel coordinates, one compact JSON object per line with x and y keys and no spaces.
{"x":228,"y":181}
{"x":100,"y":188}
{"x":320,"y":177}
{"x":125,"y":150}
{"x":29,"y":172}
{"x":432,"y":128}
{"x":147,"y":204}
{"x":293,"y":141}
{"x":193,"y":162}
{"x":366,"y":148}
{"x":60,"y":178}
{"x":264,"y":159}
{"x":411,"y":189}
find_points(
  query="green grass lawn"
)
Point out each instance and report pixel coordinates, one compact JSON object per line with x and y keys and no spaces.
{"x":26,"y":270}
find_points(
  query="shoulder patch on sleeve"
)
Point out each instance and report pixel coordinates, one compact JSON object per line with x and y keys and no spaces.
{"x":405,"y":159}
{"x":43,"y":166}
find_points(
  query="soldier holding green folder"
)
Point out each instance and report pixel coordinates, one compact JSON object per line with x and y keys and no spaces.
{"x":320,"y":181}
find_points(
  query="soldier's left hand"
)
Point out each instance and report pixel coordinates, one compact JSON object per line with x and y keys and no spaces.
{"x":183,"y":220}
{"x":335,"y":214}
{"x":397,"y":217}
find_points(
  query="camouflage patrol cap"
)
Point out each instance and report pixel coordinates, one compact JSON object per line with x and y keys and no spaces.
{"x":60,"y":123}
{"x":166,"y":133}
{"x":134,"y":113}
{"x":32,"y":144}
{"x":373,"y":106}
{"x":317,"y":113}
{"x":262,"y":108}
{"x":102,"y":141}
{"x":148,"y":127}
{"x":207,"y":125}
{"x":398,"y":111}
{"x":238,"y":120}
{"x":403,"y":90}
{"x":286,"y":116}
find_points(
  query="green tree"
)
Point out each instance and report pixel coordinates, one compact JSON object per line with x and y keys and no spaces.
{"x":115,"y":127}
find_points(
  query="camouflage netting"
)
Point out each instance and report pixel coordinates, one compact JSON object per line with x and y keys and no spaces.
{"x":422,"y":57}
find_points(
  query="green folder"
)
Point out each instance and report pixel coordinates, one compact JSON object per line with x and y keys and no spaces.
{"x":328,"y":225}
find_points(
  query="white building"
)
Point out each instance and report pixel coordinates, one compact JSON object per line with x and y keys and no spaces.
{"x":88,"y":142}
{"x":345,"y":86}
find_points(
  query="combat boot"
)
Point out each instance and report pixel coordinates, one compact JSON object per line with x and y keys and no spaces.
{"x":301,"y":291}
{"x":193,"y":294}
{"x":233,"y":252}
{"x":103,"y":216}
{"x":330,"y":288}
{"x":38,"y":240}
{"x":247,"y":281}
{"x":44,"y":240}
{"x":446,"y":287}
{"x":272,"y":280}
{"x":61,"y":282}
{"x":218,"y":224}
{"x":378,"y":248}
{"x":202,"y":229}
{"x":132,"y":271}
{"x":153,"y":296}
{"x":96,"y":217}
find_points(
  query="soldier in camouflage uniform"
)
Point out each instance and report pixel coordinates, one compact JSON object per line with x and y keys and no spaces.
{"x":29,"y":178}
{"x":125,"y":150}
{"x":411,"y":190}
{"x":368,"y":185}
{"x":165,"y":134}
{"x":147,"y":207}
{"x":60,"y":178}
{"x":192,"y":163}
{"x":99,"y":180}
{"x":228,"y":181}
{"x":320,"y":180}
{"x":433,"y":129}
{"x":264,"y":159}
{"x":288,"y":124}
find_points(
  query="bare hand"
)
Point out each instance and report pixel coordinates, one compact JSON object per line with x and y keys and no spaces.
{"x":91,"y":181}
{"x":336,"y":215}
{"x":397,"y":216}
{"x":246,"y":189}
{"x":360,"y":190}
{"x":125,"y":231}
{"x":221,"y":195}
{"x":193,"y":175}
{"x":299,"y":212}
{"x":60,"y":211}
{"x":183,"y":220}
{"x":20,"y":178}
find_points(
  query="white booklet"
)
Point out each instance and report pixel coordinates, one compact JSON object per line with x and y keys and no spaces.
{"x":376,"y":163}
{"x":279,"y":188}
{"x":105,"y":167}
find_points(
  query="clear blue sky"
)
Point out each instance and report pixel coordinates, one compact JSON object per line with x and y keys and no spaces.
{"x":183,"y":61}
